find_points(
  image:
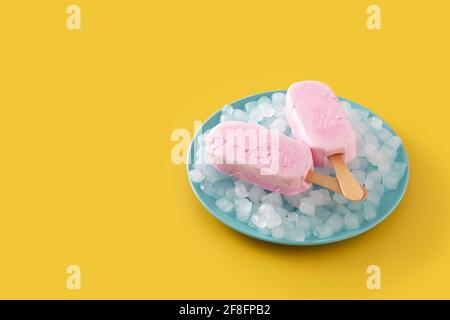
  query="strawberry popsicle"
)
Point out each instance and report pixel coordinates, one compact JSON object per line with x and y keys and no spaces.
{"x":264,"y":157}
{"x":316,"y":118}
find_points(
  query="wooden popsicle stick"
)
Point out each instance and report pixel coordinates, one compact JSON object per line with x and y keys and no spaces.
{"x":350,"y":187}
{"x":329,"y":183}
{"x":324,"y":181}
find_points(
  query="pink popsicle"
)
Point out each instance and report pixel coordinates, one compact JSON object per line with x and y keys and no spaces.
{"x":260,"y":156}
{"x":315,"y":116}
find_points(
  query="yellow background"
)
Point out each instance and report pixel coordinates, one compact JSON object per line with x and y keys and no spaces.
{"x":86,"y":116}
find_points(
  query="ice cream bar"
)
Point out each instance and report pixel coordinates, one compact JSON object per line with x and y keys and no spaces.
{"x":316,"y":118}
{"x":264,"y":157}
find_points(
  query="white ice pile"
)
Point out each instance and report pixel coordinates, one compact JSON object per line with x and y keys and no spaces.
{"x":316,"y":212}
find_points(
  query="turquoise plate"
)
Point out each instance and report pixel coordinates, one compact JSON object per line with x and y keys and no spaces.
{"x":389,"y":202}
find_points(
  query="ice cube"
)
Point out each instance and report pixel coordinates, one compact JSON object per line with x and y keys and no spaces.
{"x":298,"y":235}
{"x":370,"y":149}
{"x":240,"y":190}
{"x":221,"y":186}
{"x":264,"y":99}
{"x":202,"y":157}
{"x":387,"y":152}
{"x":363,"y":114}
{"x":370,"y":138}
{"x":282,"y":212}
{"x":307,"y":206}
{"x":256,"y":193}
{"x":291,"y":217}
{"x":354,"y":164}
{"x":359,"y":138}
{"x":255,"y":115}
{"x":394,"y":142}
{"x":278,"y":111}
{"x":266,"y":109}
{"x":224,"y":204}
{"x":360,"y":149}
{"x":383,"y":134}
{"x":200,"y":166}
{"x":373,"y":159}
{"x":391,"y":181}
{"x":302,"y":222}
{"x":207,"y":188}
{"x":376,"y":123}
{"x":399,"y":168}
{"x":359,"y":175}
{"x":351,"y":221}
{"x":239,"y":115}
{"x":224,"y":183}
{"x":360,"y":215}
{"x":278,"y":124}
{"x":323,"y":213}
{"x":336,"y":222}
{"x":230,"y":194}
{"x":196,"y":175}
{"x":374,"y":197}
{"x":346,"y":105}
{"x":379,"y":188}
{"x":355,"y":206}
{"x":370,"y":211}
{"x":255,"y":207}
{"x":353,"y":115}
{"x":259,"y":220}
{"x":249,"y":106}
{"x":363,"y":163}
{"x":314,"y":221}
{"x":279,"y":98}
{"x":321,"y":197}
{"x":278,"y":232}
{"x":332,"y":205}
{"x":323,"y":231}
{"x":266,"y":209}
{"x":341,"y":209}
{"x":227,"y":110}
{"x":243,"y":209}
{"x":224,"y":118}
{"x":273,"y":198}
{"x":373,"y":178}
{"x":384,"y":164}
{"x":211,"y":174}
{"x":361,"y":128}
{"x":274,"y":220}
{"x":340,"y":199}
{"x":266,"y":122}
{"x":293,"y":200}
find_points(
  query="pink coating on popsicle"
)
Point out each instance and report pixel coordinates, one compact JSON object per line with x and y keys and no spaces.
{"x":284,"y":161}
{"x":314,"y":113}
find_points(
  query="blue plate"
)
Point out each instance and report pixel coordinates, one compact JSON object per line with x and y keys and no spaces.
{"x":390,"y":200}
